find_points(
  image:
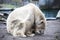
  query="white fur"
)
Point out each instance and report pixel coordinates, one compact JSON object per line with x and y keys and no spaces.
{"x":24,"y":17}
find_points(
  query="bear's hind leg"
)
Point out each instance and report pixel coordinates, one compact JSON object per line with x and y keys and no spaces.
{"x":19,"y":34}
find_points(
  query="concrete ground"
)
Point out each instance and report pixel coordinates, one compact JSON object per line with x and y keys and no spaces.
{"x":52,"y":32}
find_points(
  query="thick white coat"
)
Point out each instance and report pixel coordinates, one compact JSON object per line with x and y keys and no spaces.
{"x":20,"y":21}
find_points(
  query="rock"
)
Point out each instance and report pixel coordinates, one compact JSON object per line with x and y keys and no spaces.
{"x":1,"y":14}
{"x":58,"y":15}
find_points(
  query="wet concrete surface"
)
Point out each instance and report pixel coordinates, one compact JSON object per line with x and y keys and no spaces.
{"x":52,"y":32}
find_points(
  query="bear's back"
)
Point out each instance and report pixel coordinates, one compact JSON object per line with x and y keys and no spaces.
{"x":21,"y":13}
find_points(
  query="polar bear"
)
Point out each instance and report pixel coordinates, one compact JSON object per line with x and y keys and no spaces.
{"x":20,"y":21}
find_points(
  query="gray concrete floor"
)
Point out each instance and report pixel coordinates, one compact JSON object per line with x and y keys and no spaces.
{"x":52,"y":32}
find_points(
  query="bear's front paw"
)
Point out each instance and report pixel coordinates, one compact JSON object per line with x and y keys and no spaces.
{"x":37,"y":32}
{"x":23,"y":35}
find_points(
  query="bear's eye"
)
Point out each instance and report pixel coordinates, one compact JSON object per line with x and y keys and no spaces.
{"x":38,"y":23}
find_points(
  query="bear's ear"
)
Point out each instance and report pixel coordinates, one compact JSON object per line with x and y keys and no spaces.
{"x":42,"y":21}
